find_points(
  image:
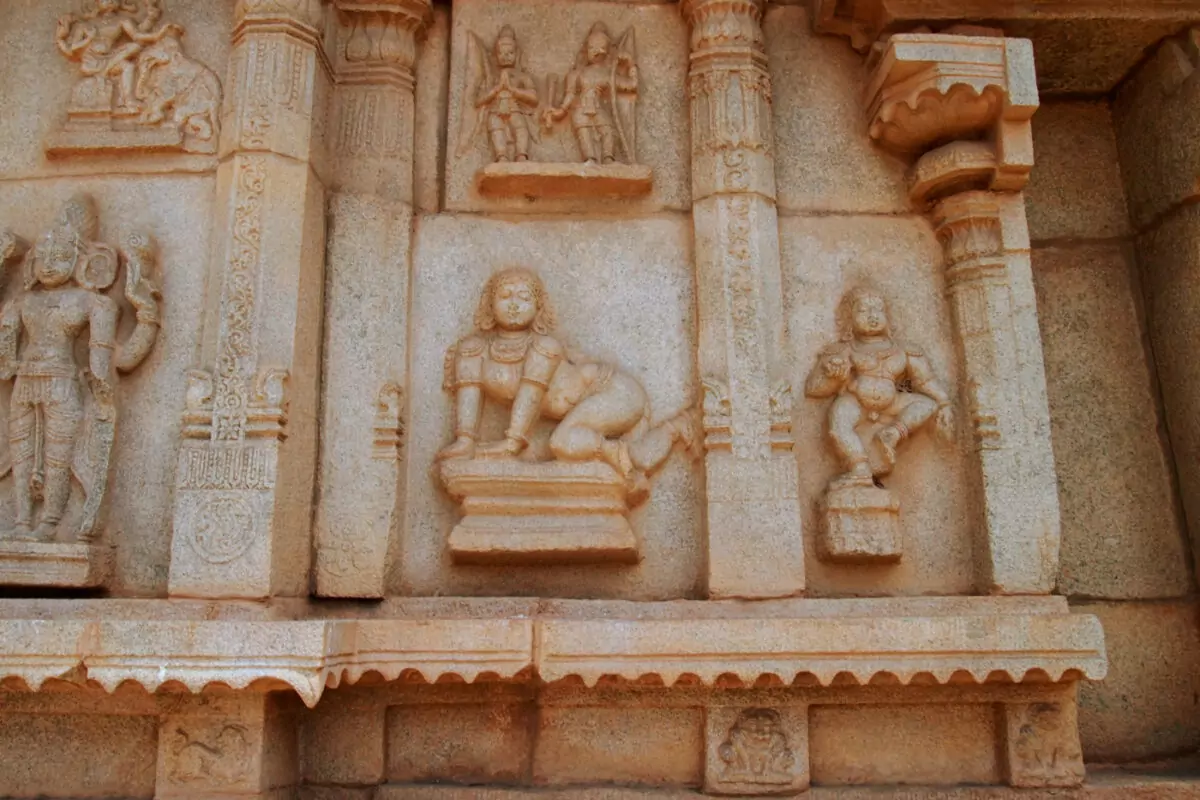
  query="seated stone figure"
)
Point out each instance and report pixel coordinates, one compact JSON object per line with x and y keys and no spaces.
{"x":513,"y":358}
{"x":883,"y":391}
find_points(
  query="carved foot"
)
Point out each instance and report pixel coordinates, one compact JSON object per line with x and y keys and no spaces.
{"x":463,"y":447}
{"x":21,"y":530}
{"x":45,"y":531}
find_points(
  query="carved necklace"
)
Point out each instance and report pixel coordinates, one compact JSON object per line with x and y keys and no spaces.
{"x":510,"y":350}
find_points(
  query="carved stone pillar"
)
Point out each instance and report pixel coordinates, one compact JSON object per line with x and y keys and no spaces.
{"x":366,"y":317}
{"x":242,"y":745}
{"x":247,"y":463}
{"x":978,"y":93}
{"x":754,"y":541}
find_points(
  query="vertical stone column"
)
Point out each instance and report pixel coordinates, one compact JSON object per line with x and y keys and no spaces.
{"x":243,"y":745}
{"x":978,"y":93}
{"x":366,"y":318}
{"x":755,"y":547}
{"x":247,"y":463}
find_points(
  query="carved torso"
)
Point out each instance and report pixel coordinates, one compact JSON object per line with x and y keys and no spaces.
{"x":506,"y":103}
{"x":875,"y":372}
{"x":593,"y":84}
{"x":53,"y":319}
{"x":504,"y":362}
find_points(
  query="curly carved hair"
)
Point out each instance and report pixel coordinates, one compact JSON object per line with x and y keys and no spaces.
{"x":485,"y":317}
{"x":845,"y":309}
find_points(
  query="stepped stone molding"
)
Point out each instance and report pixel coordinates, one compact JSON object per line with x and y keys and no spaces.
{"x":806,"y":643}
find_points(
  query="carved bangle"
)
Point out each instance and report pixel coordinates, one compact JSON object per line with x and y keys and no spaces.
{"x":516,"y":438}
{"x":146,"y":318}
{"x":105,"y":345}
{"x":467,"y":435}
{"x":538,"y":383}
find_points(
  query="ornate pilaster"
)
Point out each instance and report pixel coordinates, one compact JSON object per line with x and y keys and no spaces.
{"x":366,"y":323}
{"x":247,"y":462}
{"x":960,"y":106}
{"x":755,"y":545}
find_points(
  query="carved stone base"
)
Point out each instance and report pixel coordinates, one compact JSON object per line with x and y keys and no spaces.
{"x":516,"y":512}
{"x":71,"y":566}
{"x":95,"y":141}
{"x":862,"y":524}
{"x":539,"y":180}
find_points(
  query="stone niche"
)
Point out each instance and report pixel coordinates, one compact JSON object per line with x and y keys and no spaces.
{"x":530,"y":158}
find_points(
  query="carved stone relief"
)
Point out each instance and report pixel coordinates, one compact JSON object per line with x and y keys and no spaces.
{"x":756,"y":751}
{"x":137,"y":87}
{"x":63,"y":414}
{"x":883,"y":392}
{"x":561,"y":498}
{"x":1043,"y":744}
{"x":511,"y":109}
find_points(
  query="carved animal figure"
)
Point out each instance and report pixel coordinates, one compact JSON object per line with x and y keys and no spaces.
{"x":171,"y":82}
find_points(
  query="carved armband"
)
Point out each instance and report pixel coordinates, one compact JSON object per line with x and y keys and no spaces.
{"x":541,"y":362}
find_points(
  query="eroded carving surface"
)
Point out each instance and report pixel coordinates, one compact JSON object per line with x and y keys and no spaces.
{"x":756,"y":750}
{"x":137,"y":87}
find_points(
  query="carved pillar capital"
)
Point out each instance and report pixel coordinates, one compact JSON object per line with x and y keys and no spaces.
{"x":378,"y":43}
{"x":304,"y":16}
{"x":959,"y":106}
{"x":731,"y":151}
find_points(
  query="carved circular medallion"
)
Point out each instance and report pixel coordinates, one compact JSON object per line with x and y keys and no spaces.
{"x":223,"y":530}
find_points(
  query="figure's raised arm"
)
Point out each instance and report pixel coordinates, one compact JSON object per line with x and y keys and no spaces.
{"x":139,"y":252}
{"x":829,"y":374}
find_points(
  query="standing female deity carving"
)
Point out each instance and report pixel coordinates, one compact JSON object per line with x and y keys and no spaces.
{"x":62,"y":415}
{"x":513,"y":358}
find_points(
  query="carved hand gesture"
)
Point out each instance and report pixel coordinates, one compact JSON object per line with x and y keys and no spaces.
{"x":837,"y":367}
{"x":944,"y":422}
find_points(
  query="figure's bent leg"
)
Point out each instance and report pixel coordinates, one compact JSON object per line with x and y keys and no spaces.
{"x":652,"y":450}
{"x":910,"y":412}
{"x":613,"y":411}
{"x":64,"y":418}
{"x":21,"y":422}
{"x":844,"y":416}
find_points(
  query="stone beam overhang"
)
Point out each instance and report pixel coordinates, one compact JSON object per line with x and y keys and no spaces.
{"x":807,"y":643}
{"x":1083,"y":46}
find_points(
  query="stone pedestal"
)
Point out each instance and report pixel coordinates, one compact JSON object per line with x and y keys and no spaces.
{"x":862,"y":524}
{"x":535,"y":180}
{"x":558,"y":512}
{"x":53,"y":564}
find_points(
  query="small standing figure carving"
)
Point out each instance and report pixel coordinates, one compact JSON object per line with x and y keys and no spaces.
{"x":502,"y":96}
{"x":756,"y":750}
{"x":514,"y":358}
{"x":883,"y":391}
{"x":62,"y":417}
{"x":134,"y":79}
{"x":600,"y":94}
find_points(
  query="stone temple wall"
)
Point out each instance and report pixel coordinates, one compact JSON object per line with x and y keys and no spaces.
{"x":598,"y":399}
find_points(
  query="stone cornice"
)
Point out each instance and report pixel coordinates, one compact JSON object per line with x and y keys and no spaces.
{"x":802,"y":642}
{"x":864,"y":21}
